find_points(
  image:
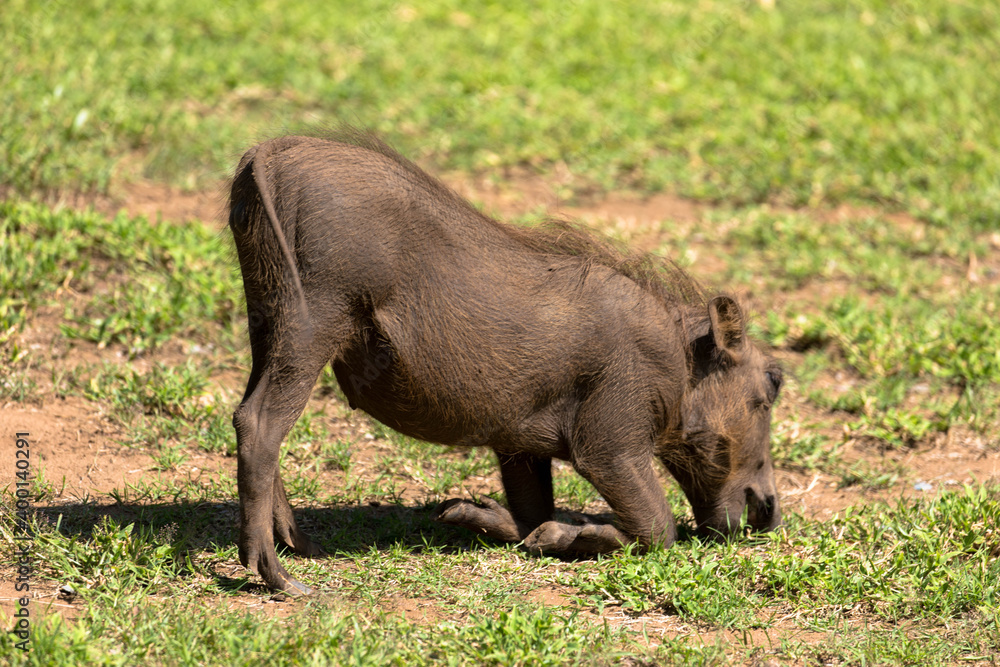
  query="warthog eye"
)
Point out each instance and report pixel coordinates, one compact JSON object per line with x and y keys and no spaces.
{"x":774,"y":383}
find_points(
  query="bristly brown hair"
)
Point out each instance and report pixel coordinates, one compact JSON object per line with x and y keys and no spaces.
{"x":369,"y":140}
{"x":658,"y":276}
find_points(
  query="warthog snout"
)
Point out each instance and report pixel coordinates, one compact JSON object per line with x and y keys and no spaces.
{"x":763,"y":512}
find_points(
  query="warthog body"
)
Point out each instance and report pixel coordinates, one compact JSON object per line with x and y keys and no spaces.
{"x":452,"y":327}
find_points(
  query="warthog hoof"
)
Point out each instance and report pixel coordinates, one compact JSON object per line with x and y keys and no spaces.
{"x":552,"y":536}
{"x":296,"y":588}
{"x":300,"y":543}
{"x":589,"y":538}
{"x":266,"y":564}
{"x":309,"y":549}
{"x":488,"y":517}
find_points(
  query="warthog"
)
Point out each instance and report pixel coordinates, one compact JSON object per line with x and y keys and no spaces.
{"x":452,"y":327}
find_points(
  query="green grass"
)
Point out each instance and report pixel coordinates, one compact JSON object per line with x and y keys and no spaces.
{"x":138,"y":284}
{"x":917,"y":571}
{"x":163,"y":407}
{"x":809,"y":103}
{"x":434,"y":467}
{"x":925,"y":564}
{"x":899,"y":315}
{"x":888,"y":338}
{"x":929,"y":563}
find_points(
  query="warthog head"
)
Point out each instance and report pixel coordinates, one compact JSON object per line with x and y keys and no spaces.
{"x":723,"y":459}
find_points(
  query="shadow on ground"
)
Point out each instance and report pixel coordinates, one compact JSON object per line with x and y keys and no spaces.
{"x":203,"y":525}
{"x":194,"y":528}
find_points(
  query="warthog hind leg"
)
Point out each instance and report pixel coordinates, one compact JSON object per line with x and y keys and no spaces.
{"x":262,"y":420}
{"x":281,"y":380}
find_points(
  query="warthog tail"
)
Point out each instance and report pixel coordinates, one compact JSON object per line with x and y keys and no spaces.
{"x":259,"y":167}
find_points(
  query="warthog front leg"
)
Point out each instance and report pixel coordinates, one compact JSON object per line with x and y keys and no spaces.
{"x":487,"y":517}
{"x":493,"y":520}
{"x":589,"y":538}
{"x":527,"y":481}
{"x":614,"y":456}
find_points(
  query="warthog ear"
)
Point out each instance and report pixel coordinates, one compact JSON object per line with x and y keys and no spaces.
{"x":727,"y":324}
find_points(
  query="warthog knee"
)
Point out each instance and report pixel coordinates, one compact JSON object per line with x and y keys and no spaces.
{"x":245,"y":421}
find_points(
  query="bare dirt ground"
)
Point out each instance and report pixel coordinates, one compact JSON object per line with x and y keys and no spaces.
{"x":76,"y":447}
